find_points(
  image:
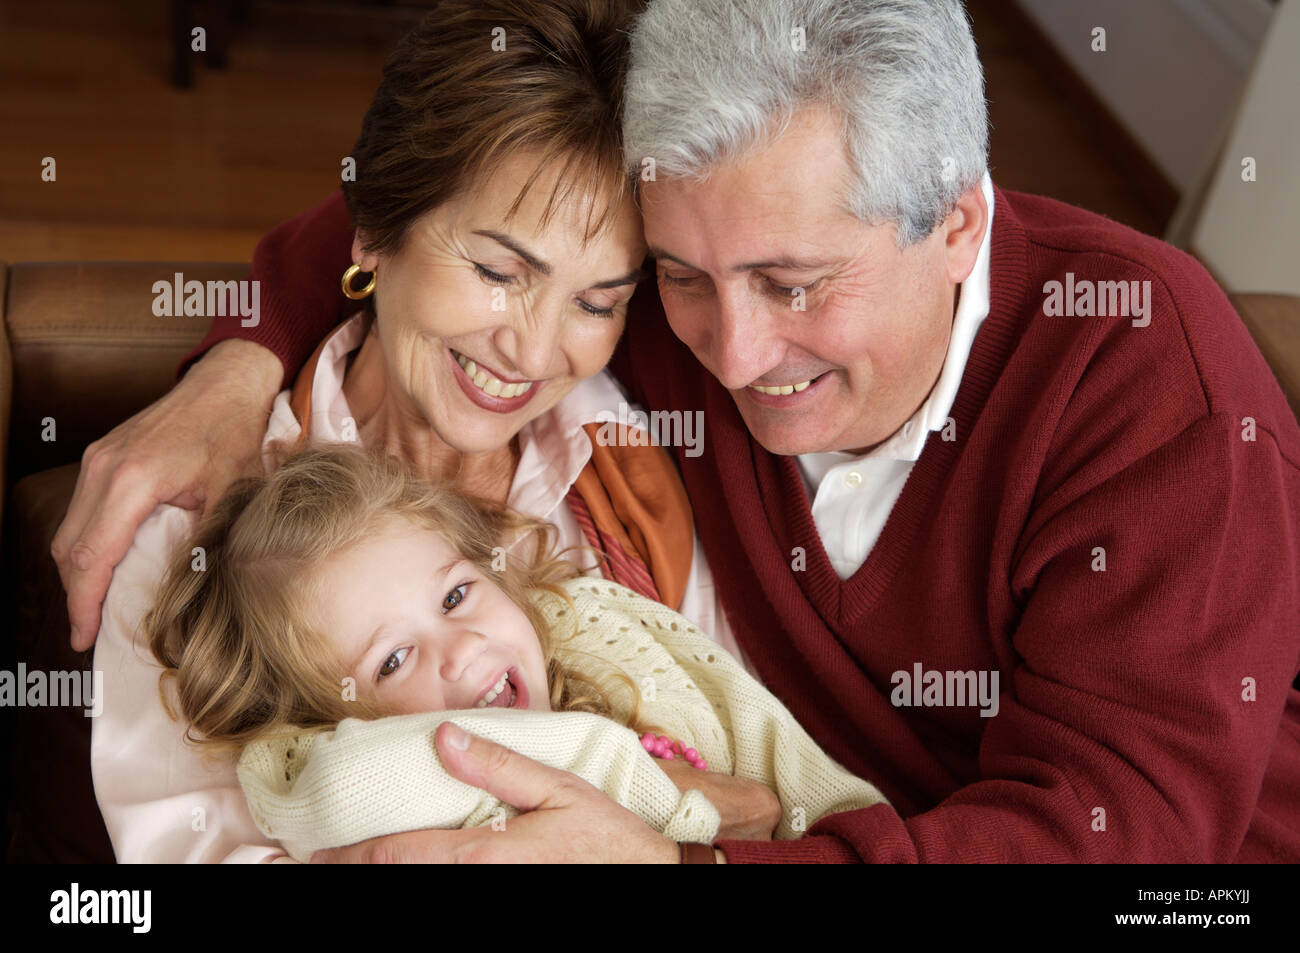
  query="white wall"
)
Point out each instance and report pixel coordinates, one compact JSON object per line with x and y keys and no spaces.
{"x":1172,"y":72}
{"x":1248,"y":233}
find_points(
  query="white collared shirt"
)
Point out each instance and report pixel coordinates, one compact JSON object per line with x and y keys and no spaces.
{"x":852,"y":496}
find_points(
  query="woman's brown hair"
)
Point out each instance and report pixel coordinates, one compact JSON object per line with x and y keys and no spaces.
{"x":479,"y":80}
{"x":229,"y":622}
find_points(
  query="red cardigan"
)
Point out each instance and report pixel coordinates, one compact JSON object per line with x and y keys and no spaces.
{"x":1147,"y":711}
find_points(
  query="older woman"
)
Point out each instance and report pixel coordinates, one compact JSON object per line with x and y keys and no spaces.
{"x":496,"y":247}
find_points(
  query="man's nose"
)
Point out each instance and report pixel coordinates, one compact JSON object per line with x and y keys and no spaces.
{"x":742,"y":339}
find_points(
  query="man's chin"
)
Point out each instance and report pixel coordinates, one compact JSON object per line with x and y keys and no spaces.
{"x":784,"y":439}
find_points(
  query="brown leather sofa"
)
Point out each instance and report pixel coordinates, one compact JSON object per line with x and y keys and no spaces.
{"x":83,"y":348}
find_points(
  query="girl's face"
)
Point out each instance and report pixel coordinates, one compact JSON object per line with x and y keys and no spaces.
{"x":421,"y":629}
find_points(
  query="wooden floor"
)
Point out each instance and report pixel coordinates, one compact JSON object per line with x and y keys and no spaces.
{"x":145,"y":171}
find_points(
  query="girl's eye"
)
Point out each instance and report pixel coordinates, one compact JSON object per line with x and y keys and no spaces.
{"x":393,"y":662}
{"x":455,"y":597}
{"x":491,"y":277}
{"x":592,"y":309}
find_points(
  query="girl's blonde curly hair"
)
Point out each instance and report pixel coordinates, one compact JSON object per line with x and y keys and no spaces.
{"x":228,"y":624}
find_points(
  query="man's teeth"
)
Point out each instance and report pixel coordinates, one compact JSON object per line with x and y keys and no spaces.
{"x":492,"y":386}
{"x":494,"y":691}
{"x":783,"y":389}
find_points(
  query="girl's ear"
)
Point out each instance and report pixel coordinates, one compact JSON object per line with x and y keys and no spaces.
{"x":367,"y":260}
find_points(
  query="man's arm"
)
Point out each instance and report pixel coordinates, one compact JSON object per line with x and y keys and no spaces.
{"x":1140,"y":717}
{"x":190,"y":445}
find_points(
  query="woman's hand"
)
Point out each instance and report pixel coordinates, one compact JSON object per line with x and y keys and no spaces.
{"x":750,"y":810}
{"x":185,"y":449}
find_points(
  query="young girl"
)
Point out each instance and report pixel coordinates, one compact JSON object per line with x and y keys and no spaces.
{"x":326,"y":618}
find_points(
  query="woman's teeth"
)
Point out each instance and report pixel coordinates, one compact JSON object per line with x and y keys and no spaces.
{"x":783,"y":389}
{"x":494,"y":692}
{"x":492,"y":386}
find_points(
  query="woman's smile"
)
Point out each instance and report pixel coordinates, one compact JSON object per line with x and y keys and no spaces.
{"x":489,"y":389}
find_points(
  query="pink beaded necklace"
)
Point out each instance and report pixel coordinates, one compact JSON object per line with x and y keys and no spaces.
{"x":669,"y":750}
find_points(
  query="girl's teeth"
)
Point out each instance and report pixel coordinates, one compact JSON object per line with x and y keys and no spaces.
{"x":493,"y":692}
{"x":490,"y":385}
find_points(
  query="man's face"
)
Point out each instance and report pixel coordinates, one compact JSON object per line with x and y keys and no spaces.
{"x":866,"y":349}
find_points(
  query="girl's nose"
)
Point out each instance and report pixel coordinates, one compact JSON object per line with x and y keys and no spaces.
{"x":459,"y":652}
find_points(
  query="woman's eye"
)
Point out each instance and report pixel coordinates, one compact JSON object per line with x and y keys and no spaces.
{"x":455,"y":597}
{"x":491,"y":277}
{"x":592,"y":309}
{"x":393,"y":662}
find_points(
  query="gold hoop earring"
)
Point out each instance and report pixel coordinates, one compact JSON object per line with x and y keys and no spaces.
{"x":353,"y":293}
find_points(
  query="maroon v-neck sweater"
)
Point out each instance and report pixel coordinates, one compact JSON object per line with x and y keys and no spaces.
{"x":1114,"y":531}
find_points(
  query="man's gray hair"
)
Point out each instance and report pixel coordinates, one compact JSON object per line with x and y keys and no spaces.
{"x":710,"y":80}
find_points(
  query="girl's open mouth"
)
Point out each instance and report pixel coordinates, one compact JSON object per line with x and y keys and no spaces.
{"x":506,"y":693}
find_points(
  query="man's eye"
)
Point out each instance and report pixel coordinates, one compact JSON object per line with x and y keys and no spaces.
{"x":491,"y":277}
{"x":393,"y":662}
{"x":677,"y":279}
{"x":455,"y":597}
{"x":789,"y":292}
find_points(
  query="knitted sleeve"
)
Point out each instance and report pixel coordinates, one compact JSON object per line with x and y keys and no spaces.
{"x":298,"y":267}
{"x":366,"y":779}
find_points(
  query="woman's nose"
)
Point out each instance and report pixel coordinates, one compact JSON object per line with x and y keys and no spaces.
{"x":532,"y":340}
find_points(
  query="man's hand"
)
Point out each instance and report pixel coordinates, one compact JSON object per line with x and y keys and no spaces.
{"x":750,"y":810}
{"x":184,"y":449}
{"x":566,"y":820}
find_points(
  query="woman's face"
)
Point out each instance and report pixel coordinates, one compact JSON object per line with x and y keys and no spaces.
{"x":486,"y":323}
{"x":422,"y":629}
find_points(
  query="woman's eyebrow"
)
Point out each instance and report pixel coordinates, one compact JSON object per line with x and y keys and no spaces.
{"x":531,"y":260}
{"x":542,"y":267}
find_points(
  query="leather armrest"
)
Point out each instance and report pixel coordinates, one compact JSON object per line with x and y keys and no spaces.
{"x":1274,"y":323}
{"x":88,"y":351}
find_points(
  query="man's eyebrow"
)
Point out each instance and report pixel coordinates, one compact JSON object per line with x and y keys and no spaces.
{"x":783,"y":262}
{"x":531,"y":260}
{"x":657,"y":253}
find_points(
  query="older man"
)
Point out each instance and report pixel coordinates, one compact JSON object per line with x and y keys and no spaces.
{"x":999,"y":496}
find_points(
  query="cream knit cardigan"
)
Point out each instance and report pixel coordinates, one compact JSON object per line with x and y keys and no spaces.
{"x":369,"y":778}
